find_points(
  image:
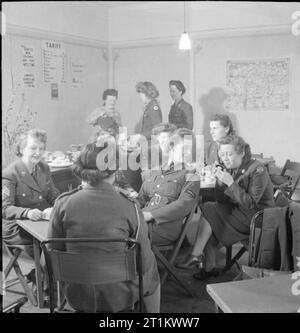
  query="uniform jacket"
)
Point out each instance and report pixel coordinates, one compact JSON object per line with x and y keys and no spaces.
{"x":169,"y":197}
{"x":280,"y":238}
{"x":211,"y":153}
{"x":181,"y":114}
{"x":152,"y":116}
{"x":102,"y":212}
{"x":20,"y":191}
{"x":252,"y":189}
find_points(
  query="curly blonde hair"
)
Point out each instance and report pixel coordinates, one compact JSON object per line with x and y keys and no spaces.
{"x":36,"y":133}
{"x":148,"y":88}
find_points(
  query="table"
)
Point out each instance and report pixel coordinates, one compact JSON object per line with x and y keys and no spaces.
{"x":263,"y":295}
{"x":38,"y":230}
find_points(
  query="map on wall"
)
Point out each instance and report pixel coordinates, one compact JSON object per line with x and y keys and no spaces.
{"x":258,"y":85}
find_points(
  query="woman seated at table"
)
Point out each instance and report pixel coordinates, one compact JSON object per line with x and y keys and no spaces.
{"x":97,"y":210}
{"x":27,"y":188}
{"x":158,"y":152}
{"x":168,"y":195}
{"x":243,"y":188}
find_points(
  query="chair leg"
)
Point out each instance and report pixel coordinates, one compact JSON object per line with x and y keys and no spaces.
{"x":24,"y":284}
{"x":13,"y":258}
{"x":171,"y":271}
{"x":230,"y":263}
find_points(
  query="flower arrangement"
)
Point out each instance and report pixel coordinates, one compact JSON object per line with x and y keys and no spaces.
{"x":17,"y":119}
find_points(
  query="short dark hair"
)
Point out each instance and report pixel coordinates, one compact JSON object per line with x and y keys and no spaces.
{"x":36,"y":133}
{"x":85,"y":167}
{"x":109,"y":92}
{"x":148,"y":88}
{"x":224,"y":120}
{"x":239,"y":144}
{"x":163,"y":127}
{"x":178,"y":84}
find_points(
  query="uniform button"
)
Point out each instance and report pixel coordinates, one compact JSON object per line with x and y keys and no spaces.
{"x":152,"y":204}
{"x":23,"y":195}
{"x":40,"y":197}
{"x":162,"y":176}
{"x":157,"y":186}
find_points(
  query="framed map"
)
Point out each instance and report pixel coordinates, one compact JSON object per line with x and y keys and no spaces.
{"x":258,"y":85}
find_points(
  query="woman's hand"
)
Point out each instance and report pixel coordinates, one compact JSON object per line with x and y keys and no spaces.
{"x":224,"y":177}
{"x":46,"y":213}
{"x":34,"y":214}
{"x":148,"y":216}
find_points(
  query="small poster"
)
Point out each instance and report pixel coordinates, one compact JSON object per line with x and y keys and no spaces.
{"x":54,"y":62}
{"x":28,"y":60}
{"x":54,"y":91}
{"x":77,"y":70}
{"x":28,"y":80}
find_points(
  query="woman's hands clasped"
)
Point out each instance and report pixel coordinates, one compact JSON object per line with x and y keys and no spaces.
{"x":223,"y":176}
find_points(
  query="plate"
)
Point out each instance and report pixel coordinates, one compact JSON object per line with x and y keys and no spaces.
{"x":59,"y":165}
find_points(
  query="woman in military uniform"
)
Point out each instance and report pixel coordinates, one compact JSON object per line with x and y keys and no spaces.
{"x":181,"y":113}
{"x":243,"y":188}
{"x":27,"y":187}
{"x":220,"y":126}
{"x":151,"y":110}
{"x":167,"y":195}
{"x":97,"y":210}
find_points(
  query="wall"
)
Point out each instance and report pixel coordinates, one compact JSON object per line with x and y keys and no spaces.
{"x":82,"y":19}
{"x":220,"y":31}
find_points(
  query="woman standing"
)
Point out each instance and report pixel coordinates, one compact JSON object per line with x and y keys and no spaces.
{"x":151,"y":110}
{"x":181,"y":113}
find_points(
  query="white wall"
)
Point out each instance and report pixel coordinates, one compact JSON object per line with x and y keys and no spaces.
{"x":165,"y":18}
{"x":78,"y":18}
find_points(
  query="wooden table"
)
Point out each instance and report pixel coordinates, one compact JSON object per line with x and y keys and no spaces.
{"x":264,"y":295}
{"x":38,"y":230}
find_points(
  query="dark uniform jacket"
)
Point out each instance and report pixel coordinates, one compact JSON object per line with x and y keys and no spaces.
{"x":21,"y":192}
{"x":252,"y":189}
{"x":152,"y":116}
{"x":102,"y":212}
{"x":169,"y":197}
{"x":181,"y":114}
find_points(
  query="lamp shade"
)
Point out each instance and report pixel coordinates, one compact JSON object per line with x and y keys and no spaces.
{"x":185,"y":42}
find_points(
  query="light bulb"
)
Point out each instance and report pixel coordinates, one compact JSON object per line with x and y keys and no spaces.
{"x":185,"y":42}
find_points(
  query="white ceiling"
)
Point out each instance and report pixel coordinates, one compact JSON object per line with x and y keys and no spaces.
{"x":111,"y":4}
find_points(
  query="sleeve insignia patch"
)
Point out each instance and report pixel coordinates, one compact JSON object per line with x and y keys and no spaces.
{"x":260,"y":169}
{"x":191,"y":193}
{"x":5,"y":192}
{"x":155,"y":107}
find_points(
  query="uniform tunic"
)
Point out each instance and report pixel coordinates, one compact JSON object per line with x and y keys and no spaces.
{"x":151,"y":116}
{"x":102,"y":212}
{"x":169,"y":197}
{"x":22,"y":191}
{"x":181,"y":114}
{"x":231,"y":215}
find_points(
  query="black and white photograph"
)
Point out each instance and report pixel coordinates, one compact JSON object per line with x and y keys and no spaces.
{"x":150,"y":159}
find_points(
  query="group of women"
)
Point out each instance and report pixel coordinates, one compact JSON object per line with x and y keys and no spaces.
{"x":166,"y":196}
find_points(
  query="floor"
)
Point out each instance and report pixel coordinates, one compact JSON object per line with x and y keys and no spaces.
{"x":173,"y":300}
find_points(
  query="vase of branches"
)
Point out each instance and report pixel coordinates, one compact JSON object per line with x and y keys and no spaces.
{"x":16,"y":119}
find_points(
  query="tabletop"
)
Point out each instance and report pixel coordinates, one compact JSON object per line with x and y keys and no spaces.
{"x":38,"y":229}
{"x":263,"y":295}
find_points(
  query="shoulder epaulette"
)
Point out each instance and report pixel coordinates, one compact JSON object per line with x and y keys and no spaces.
{"x":69,"y":192}
{"x":125,"y":195}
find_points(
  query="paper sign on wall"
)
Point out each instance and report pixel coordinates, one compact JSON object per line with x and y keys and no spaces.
{"x":28,"y":63}
{"x":54,"y":61}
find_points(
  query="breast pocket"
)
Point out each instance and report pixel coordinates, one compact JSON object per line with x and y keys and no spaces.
{"x":172,"y":189}
{"x":24,"y":196}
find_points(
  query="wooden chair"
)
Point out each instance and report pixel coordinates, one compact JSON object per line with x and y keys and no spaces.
{"x":172,"y":253}
{"x":15,"y":306}
{"x":92,"y":268}
{"x":14,"y":251}
{"x":291,"y":169}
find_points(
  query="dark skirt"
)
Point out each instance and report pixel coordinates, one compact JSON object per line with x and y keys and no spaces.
{"x":230,"y":224}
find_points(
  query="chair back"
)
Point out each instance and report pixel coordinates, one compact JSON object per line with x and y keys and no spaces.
{"x":291,"y":169}
{"x":255,"y":233}
{"x":93,"y":268}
